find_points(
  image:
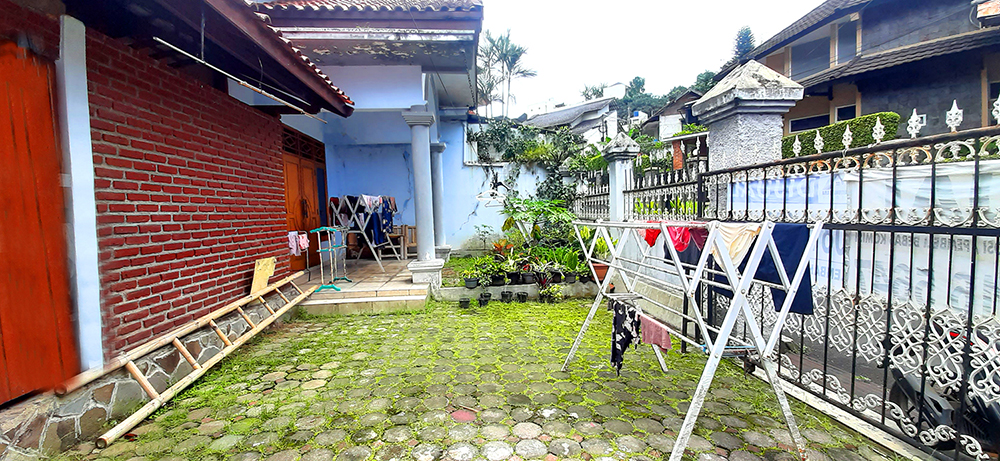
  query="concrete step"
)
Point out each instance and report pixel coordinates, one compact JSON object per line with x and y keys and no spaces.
{"x":364,"y":305}
{"x":373,"y":291}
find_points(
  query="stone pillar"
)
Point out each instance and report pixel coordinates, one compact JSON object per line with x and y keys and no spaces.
{"x":441,"y":247}
{"x":619,"y":153}
{"x":743,"y":113}
{"x":427,"y":268}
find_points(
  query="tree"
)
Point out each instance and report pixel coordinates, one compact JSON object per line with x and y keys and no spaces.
{"x":676,"y":92}
{"x":636,"y":87}
{"x":593,"y":92}
{"x":500,"y":62}
{"x":744,"y":44}
{"x":704,"y":82}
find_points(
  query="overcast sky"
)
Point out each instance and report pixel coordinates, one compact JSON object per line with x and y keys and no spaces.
{"x":572,"y":43}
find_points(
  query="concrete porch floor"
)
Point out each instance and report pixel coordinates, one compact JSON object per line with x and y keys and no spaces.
{"x":370,"y":291}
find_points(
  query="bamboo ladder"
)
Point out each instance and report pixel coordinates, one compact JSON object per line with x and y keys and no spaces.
{"x":157,"y":399}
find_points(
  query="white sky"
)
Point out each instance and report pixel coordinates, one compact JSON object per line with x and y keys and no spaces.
{"x":572,"y":43}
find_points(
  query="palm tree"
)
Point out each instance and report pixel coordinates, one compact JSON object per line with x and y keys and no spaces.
{"x":500,"y":61}
{"x":513,"y":67}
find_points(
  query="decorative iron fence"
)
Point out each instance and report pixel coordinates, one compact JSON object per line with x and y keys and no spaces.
{"x":593,"y":201}
{"x":905,"y":333}
{"x":660,"y":194}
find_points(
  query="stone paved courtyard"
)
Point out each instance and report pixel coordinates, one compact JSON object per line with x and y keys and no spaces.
{"x":465,"y":385}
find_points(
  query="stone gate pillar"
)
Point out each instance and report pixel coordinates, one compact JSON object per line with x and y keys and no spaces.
{"x":744,"y":115}
{"x":619,"y":153}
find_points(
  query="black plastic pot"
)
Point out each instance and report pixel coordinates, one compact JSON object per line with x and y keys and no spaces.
{"x":586,"y":279}
{"x":555,"y":277}
{"x":484,"y":298}
{"x":506,"y":296}
{"x":464,"y":303}
{"x":570,"y":278}
{"x":515,"y":278}
{"x":471,"y":283}
{"x":497,"y":280}
{"x":522,"y":296}
{"x":527,"y":278}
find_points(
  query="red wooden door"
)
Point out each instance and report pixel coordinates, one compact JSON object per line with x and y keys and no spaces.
{"x":37,"y":346}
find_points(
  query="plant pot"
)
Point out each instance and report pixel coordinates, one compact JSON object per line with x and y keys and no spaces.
{"x":497,"y":280}
{"x":547,"y":299}
{"x":522,"y":296}
{"x":555,"y":277}
{"x":464,"y":303}
{"x":515,"y":278}
{"x":570,"y":278}
{"x":601,"y":270}
{"x":484,"y":298}
{"x":527,"y":278}
{"x":506,"y":296}
{"x":586,"y":279}
{"x":471,"y":283}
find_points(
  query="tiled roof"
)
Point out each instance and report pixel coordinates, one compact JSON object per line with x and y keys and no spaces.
{"x":568,"y":115}
{"x":377,"y":5}
{"x":829,"y":10}
{"x":906,"y":54}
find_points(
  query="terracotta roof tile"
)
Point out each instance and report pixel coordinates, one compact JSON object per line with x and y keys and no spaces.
{"x":377,"y":5}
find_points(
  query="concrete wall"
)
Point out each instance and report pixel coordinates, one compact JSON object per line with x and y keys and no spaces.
{"x":891,"y":24}
{"x":380,"y":87}
{"x":930,"y":87}
{"x":373,"y":169}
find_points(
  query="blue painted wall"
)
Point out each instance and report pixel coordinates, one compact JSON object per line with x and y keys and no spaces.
{"x":373,"y":170}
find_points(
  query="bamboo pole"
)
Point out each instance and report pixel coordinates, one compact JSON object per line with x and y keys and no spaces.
{"x":110,"y":436}
{"x":186,"y":354}
{"x":89,"y":376}
{"x":246,"y":317}
{"x":218,"y":331}
{"x":141,"y":378}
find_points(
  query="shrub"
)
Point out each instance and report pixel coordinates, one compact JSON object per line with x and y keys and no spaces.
{"x":833,"y":135}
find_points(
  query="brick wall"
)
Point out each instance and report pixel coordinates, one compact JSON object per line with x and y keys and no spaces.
{"x":189,"y":186}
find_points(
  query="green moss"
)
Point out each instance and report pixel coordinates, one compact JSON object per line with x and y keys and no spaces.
{"x":833,"y":135}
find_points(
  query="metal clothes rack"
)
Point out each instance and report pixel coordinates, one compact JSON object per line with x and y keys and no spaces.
{"x":358,"y":215}
{"x":337,"y":271}
{"x":689,"y":278}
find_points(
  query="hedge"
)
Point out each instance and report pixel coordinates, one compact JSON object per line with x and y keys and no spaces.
{"x":833,"y":135}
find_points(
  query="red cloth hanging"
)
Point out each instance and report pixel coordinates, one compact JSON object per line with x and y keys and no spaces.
{"x":700,"y":236}
{"x":680,"y":237}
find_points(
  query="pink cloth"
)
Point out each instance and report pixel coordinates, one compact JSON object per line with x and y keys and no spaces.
{"x":303,"y":241}
{"x":680,"y":237}
{"x":653,"y":332}
{"x":293,"y":243}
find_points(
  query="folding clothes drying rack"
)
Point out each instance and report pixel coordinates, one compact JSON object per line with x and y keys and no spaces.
{"x":337,"y":271}
{"x":631,"y":270}
{"x":357,"y":215}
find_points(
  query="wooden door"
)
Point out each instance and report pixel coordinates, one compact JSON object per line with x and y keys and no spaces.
{"x":302,"y":203}
{"x":37,"y":345}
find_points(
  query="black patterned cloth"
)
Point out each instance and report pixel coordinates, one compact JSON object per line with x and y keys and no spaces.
{"x":624,"y":332}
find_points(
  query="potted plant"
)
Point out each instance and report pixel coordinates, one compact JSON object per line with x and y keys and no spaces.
{"x":601,"y":252}
{"x":464,"y":303}
{"x":471,"y":276}
{"x":522,"y":296}
{"x":527,"y":275}
{"x":506,"y":296}
{"x":551,"y":294}
{"x":512,"y":270}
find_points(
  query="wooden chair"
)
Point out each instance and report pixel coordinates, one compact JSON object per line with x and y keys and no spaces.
{"x":397,"y":242}
{"x":409,"y":241}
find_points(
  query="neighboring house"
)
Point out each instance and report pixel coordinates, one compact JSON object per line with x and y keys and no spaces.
{"x":670,"y":119}
{"x":594,"y":120}
{"x":858,"y":57}
{"x":411,"y":66}
{"x":137,"y":192}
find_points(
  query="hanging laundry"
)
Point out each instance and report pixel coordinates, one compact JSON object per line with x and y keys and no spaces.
{"x":293,"y":243}
{"x":654,"y":332}
{"x":624,"y":332}
{"x":690,"y":255}
{"x":791,"y":240}
{"x":303,"y":242}
{"x":699,"y":235}
{"x":739,"y":238}
{"x":650,"y":235}
{"x":372,"y":202}
{"x":680,"y":237}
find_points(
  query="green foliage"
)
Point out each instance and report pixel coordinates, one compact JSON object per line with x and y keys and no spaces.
{"x":504,"y":137}
{"x":601,"y":250}
{"x":704,"y":82}
{"x":548,"y":222}
{"x":691,"y":128}
{"x":553,"y":292}
{"x":553,"y":188}
{"x":500,"y":62}
{"x":833,"y":135}
{"x":593,"y":92}
{"x":483,"y":233}
{"x":636,"y":87}
{"x":676,"y":92}
{"x":744,"y":43}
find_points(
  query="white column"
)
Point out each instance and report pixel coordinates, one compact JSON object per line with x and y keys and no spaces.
{"x":619,"y":153}
{"x":441,"y":247}
{"x":78,"y":185}
{"x":427,"y":268}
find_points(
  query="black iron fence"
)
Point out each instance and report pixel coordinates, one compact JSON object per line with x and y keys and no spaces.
{"x":905,"y":334}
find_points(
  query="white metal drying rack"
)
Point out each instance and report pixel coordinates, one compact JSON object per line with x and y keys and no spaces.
{"x":690,"y":277}
{"x":359,"y":216}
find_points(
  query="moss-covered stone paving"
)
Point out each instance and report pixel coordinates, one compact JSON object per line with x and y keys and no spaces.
{"x":465,"y":385}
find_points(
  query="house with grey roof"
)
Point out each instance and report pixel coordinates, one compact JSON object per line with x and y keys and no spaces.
{"x":594,"y":120}
{"x":858,"y":57}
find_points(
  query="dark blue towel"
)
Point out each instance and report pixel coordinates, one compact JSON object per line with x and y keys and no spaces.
{"x":791,"y":240}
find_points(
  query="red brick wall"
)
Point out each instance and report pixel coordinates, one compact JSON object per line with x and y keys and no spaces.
{"x":189,"y":188}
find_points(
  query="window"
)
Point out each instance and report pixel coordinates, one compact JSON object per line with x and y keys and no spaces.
{"x":847,"y":112}
{"x":994,"y":94}
{"x":809,"y":58}
{"x":847,"y":42}
{"x":809,"y":123}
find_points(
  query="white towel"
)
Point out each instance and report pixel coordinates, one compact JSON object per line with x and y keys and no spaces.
{"x":293,"y":243}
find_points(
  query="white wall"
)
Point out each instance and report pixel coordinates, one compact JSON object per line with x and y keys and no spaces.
{"x":380,"y":87}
